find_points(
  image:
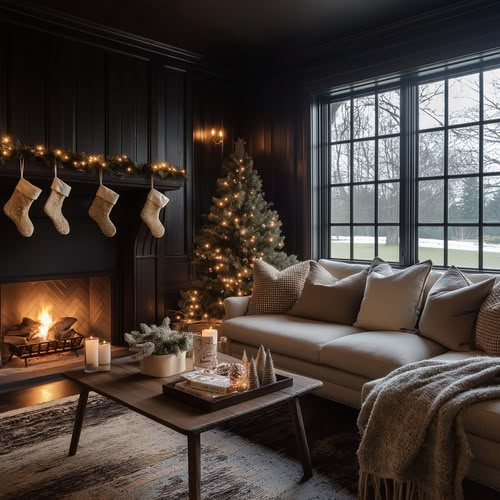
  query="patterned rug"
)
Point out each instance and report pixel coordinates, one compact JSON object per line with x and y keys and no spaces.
{"x":124,"y":455}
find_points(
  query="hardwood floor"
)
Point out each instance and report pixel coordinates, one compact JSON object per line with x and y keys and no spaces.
{"x":38,"y":394}
{"x":62,"y":388}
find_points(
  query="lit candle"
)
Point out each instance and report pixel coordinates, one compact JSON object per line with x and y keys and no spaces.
{"x":104,"y":356}
{"x":210,"y":332}
{"x":91,"y":354}
{"x":205,"y":349}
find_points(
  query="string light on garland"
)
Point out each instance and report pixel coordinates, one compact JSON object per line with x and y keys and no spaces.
{"x":119,"y":165}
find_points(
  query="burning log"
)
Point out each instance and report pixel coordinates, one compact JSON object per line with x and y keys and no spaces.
{"x":32,"y":330}
{"x":61,"y":329}
{"x":27,"y":328}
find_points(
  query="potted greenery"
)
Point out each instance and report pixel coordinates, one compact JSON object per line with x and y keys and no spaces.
{"x":161,"y":350}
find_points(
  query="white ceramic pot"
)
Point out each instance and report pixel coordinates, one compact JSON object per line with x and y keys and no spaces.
{"x":163,"y":365}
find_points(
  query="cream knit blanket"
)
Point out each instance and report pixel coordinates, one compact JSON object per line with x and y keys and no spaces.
{"x":413,"y":442}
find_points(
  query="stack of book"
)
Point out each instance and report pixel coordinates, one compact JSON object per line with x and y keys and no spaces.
{"x":206,"y":386}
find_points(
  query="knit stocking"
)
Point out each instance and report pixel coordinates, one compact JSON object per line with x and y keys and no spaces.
{"x":101,"y":208}
{"x":151,"y":212}
{"x":53,"y":208}
{"x":18,"y":206}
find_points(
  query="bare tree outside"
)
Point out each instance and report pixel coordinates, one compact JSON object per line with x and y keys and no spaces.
{"x":365,"y":166}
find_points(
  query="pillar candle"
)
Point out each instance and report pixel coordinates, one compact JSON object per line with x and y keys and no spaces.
{"x":91,"y":354}
{"x":205,"y":349}
{"x":104,"y":356}
{"x":210,"y":332}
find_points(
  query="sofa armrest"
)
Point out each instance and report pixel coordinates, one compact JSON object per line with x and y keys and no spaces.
{"x":236,"y":306}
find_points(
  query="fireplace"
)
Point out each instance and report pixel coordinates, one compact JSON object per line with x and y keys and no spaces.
{"x":108,"y":285}
{"x":45,"y":317}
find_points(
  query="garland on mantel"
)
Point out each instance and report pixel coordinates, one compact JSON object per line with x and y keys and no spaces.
{"x":116,"y":165}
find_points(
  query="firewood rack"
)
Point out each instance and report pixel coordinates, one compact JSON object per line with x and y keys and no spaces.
{"x":37,"y":349}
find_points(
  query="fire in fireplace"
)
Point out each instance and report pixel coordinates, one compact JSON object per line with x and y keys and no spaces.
{"x":42,"y":337}
{"x":46,"y":317}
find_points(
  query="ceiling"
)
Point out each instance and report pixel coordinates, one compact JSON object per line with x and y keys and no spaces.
{"x":243,"y":28}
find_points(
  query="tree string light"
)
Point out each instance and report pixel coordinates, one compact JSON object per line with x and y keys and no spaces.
{"x":242,"y":228}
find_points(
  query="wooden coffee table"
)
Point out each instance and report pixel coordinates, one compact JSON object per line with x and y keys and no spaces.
{"x":125,"y":385}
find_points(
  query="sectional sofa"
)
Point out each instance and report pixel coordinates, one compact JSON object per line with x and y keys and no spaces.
{"x":344,"y":358}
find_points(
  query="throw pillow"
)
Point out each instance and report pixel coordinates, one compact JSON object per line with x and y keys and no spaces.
{"x":325,"y":298}
{"x":451,"y":309}
{"x":275,"y":292}
{"x":488,"y":324}
{"x":392,"y":300}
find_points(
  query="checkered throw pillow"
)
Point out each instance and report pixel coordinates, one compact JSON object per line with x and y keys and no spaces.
{"x":275,"y":292}
{"x":488,"y":324}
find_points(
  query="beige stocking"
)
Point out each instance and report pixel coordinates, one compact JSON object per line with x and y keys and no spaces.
{"x":151,"y":212}
{"x":17,"y":208}
{"x":53,"y":207}
{"x":101,"y":208}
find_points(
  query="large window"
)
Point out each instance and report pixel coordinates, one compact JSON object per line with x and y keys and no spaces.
{"x":364,"y":176}
{"x":413,"y":171}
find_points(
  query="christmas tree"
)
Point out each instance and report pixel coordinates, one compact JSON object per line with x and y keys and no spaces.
{"x":242,"y":227}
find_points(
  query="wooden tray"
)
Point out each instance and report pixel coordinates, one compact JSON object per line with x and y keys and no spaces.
{"x":169,"y":390}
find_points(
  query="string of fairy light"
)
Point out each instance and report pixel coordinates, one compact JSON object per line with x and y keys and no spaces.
{"x":120,"y":165}
{"x":231,"y":283}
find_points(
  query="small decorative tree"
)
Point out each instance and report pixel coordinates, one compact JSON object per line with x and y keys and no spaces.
{"x":269,"y":376}
{"x":260,"y":362}
{"x":242,"y":228}
{"x":253,"y":378}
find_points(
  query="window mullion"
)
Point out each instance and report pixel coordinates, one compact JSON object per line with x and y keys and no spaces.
{"x":409,"y":142}
{"x":376,"y":186}
{"x":481,"y":172}
{"x":446,"y":183}
{"x":351,"y":180}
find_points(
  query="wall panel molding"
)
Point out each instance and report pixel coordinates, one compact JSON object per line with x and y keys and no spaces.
{"x":66,"y":83}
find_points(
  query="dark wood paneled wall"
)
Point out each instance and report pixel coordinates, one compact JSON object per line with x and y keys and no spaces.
{"x":276,"y":102}
{"x":75,"y":89}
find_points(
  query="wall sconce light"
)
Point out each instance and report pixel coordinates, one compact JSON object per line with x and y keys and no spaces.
{"x":217,"y":137}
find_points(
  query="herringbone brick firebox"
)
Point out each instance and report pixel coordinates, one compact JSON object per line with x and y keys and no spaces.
{"x":88,"y":299}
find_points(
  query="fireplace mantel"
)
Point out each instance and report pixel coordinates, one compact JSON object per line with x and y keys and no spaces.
{"x":36,"y":171}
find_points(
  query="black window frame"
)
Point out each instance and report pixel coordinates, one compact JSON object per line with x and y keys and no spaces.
{"x":409,"y":175}
{"x":352,"y":183}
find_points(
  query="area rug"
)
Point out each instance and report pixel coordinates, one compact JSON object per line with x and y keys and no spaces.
{"x":127,"y":456}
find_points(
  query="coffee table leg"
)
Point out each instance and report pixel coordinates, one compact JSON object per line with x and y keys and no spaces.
{"x":300,"y":434}
{"x":194,"y":466}
{"x":77,"y":427}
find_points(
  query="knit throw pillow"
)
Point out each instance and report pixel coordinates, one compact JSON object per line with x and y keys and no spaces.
{"x":275,"y":292}
{"x":488,"y":324}
{"x":451,"y":309}
{"x":325,"y":298}
{"x":393,"y":299}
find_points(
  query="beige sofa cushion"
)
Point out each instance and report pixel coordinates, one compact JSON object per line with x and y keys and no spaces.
{"x":275,"y":292}
{"x":341,"y":270}
{"x":296,"y":337}
{"x":325,"y":298}
{"x":457,"y":355}
{"x":375,"y":354}
{"x":451,"y":309}
{"x":487,"y":336}
{"x":392,"y":300}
